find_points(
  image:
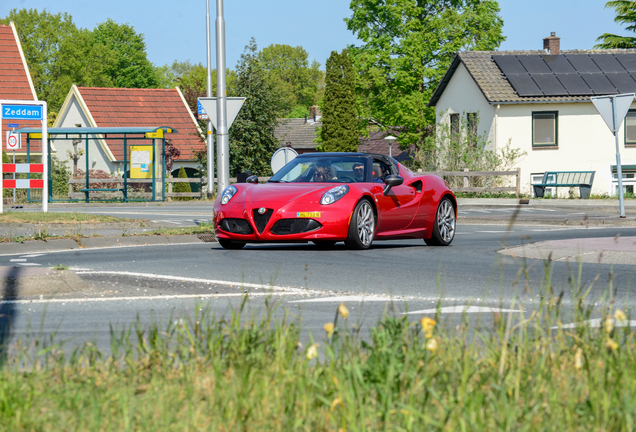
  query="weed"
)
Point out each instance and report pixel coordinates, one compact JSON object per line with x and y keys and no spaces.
{"x":60,"y":267}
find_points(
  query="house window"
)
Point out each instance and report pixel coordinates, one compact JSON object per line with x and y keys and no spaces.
{"x":630,"y":128}
{"x":454,"y":124}
{"x":628,"y":179}
{"x":538,"y":178}
{"x":545,"y":129}
{"x":472,"y":121}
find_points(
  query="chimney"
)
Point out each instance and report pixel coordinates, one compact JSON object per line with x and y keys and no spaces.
{"x":552,"y":44}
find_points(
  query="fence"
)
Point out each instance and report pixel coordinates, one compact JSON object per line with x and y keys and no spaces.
{"x":466,"y":174}
{"x":131,"y":183}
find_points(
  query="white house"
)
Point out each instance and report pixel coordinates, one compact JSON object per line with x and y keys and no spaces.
{"x":540,"y":101}
{"x":124,"y":107}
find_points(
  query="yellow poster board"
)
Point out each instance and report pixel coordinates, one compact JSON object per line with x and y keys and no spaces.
{"x":141,"y":161}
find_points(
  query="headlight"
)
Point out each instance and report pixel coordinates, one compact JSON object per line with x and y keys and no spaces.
{"x":228,"y":193}
{"x":334,"y":194}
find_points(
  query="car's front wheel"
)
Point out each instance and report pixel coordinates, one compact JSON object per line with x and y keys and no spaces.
{"x":362,"y":226}
{"x":444,"y":227}
{"x":229,"y":244}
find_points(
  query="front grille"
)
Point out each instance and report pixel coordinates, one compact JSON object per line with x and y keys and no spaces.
{"x":295,"y":226}
{"x":260,"y":220}
{"x":236,"y":226}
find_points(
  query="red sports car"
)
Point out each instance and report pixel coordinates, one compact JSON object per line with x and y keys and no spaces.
{"x":330,"y":197}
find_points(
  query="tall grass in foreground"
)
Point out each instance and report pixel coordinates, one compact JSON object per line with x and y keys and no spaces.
{"x":202,"y":373}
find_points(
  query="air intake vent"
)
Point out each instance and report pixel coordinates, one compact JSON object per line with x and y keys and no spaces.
{"x":236,"y":226}
{"x":295,"y":226}
{"x":260,"y":220}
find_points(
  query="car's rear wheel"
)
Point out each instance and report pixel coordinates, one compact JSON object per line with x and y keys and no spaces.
{"x":444,"y":227}
{"x":230,"y":244}
{"x":324,"y":244}
{"x":362,"y":226}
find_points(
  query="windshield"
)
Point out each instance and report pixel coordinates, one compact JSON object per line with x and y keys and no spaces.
{"x":323,"y":170}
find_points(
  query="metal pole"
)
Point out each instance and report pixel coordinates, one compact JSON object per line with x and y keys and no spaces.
{"x":1,"y":171}
{"x":14,"y":177}
{"x":222,"y":137}
{"x":619,"y":171}
{"x":88,"y":182}
{"x":208,"y":93}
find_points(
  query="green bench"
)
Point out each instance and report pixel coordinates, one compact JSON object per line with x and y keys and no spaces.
{"x":581,"y":179}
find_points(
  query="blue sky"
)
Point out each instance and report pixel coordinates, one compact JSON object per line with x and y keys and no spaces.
{"x":176,"y":30}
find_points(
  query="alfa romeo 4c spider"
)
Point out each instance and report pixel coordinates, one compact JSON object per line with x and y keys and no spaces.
{"x":326,"y":198}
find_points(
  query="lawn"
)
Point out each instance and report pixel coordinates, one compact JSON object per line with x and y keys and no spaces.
{"x":59,"y":218}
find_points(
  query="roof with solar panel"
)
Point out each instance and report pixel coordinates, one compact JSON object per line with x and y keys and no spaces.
{"x":539,"y":77}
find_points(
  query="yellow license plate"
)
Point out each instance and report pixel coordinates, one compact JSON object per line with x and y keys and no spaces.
{"x":308,"y":214}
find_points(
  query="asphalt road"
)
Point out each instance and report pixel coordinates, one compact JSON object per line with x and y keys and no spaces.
{"x":158,"y":283}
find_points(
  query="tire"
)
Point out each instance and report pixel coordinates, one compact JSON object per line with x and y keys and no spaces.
{"x":324,"y":244}
{"x":362,"y":226}
{"x":444,"y":227}
{"x":229,"y":244}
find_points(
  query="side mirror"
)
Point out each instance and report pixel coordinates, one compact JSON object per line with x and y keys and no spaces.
{"x":390,"y":181}
{"x":252,"y":179}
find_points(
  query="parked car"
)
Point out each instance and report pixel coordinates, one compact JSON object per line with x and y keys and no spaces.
{"x":326,"y":198}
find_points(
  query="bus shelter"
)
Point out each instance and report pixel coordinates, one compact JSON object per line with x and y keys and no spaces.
{"x":138,"y":151}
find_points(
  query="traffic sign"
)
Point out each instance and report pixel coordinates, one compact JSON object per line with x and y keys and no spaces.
{"x":613,"y":109}
{"x":13,"y":125}
{"x":234,"y":105}
{"x":13,"y":141}
{"x":202,"y":114}
{"x":26,"y":112}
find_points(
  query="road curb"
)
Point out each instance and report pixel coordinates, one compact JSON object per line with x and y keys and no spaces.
{"x":553,"y":222}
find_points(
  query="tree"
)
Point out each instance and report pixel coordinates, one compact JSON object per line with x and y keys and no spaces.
{"x":295,"y":82}
{"x":182,"y":187}
{"x":252,"y":140}
{"x":339,"y":130}
{"x":408,"y":46}
{"x":625,"y":14}
{"x":131,"y":67}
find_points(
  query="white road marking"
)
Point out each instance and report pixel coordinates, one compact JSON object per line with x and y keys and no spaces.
{"x":339,"y":299}
{"x":29,"y":264}
{"x":162,"y":297}
{"x":460,"y":309}
{"x":493,"y":232}
{"x":18,"y":260}
{"x":598,"y":322}
{"x":32,"y":255}
{"x":114,"y":247}
{"x":199,"y":280}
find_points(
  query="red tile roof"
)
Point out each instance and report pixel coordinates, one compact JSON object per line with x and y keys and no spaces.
{"x":123,"y":107}
{"x":14,"y":82}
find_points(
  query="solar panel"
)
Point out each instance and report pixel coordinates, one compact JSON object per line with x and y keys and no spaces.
{"x":524,"y":85}
{"x":508,"y":64}
{"x":558,"y":64}
{"x":534,"y":64}
{"x":599,"y":83}
{"x":582,"y":62}
{"x":549,"y":84}
{"x":607,"y":63}
{"x":575,"y":85}
{"x":622,"y":81}
{"x":627,"y":60}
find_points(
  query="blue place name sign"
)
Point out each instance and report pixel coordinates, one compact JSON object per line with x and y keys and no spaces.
{"x":25,"y":112}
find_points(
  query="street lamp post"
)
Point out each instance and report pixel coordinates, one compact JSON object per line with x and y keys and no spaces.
{"x":210,"y":138}
{"x":222,"y":137}
{"x":390,"y":139}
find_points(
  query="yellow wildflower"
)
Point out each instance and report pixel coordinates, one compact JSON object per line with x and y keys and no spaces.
{"x":343,"y":310}
{"x":619,"y":315}
{"x":312,"y":351}
{"x":335,"y":403}
{"x":578,"y":359}
{"x":608,"y":325}
{"x":329,"y":328}
{"x":431,"y":345}
{"x":428,"y":325}
{"x":611,"y":344}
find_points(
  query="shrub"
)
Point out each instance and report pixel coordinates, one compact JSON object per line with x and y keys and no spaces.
{"x":182,"y":187}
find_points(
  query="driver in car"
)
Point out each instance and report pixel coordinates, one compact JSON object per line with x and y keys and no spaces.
{"x":358,"y":171}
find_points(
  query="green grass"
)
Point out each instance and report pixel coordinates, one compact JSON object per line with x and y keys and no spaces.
{"x":203,"y":228}
{"x":58,"y":218}
{"x":198,"y":372}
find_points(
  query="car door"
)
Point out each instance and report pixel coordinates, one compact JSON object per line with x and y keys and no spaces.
{"x":397,"y":209}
